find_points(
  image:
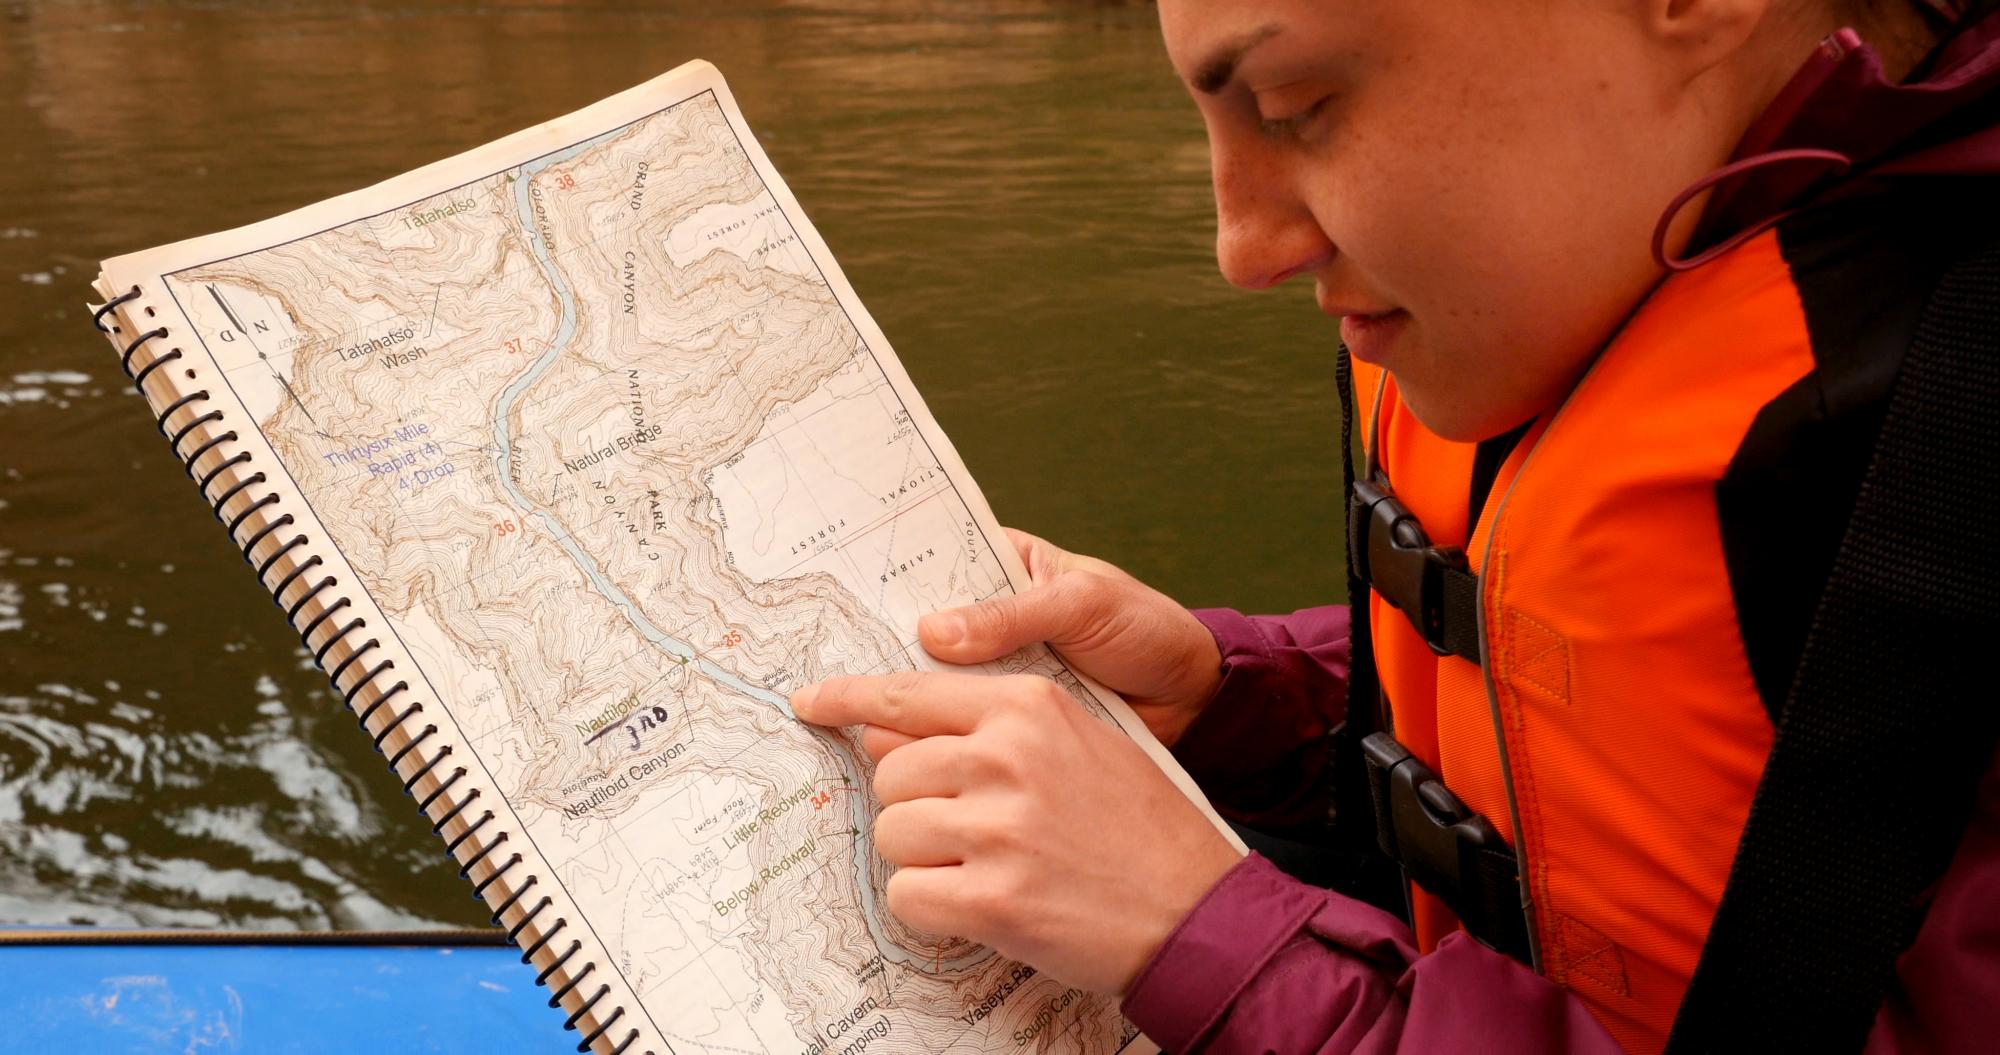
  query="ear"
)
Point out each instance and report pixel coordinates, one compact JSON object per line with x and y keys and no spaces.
{"x":1703,"y":34}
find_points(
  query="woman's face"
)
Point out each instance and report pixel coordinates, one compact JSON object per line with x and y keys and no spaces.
{"x":1489,"y":171}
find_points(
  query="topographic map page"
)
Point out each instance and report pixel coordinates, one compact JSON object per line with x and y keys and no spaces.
{"x":611,"y":459}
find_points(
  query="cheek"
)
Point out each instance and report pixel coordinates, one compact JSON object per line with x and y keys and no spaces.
{"x":1516,"y":240}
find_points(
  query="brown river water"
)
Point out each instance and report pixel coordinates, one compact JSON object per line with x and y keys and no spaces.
{"x":1018,"y":190}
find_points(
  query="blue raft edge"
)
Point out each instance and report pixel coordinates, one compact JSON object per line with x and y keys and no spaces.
{"x":222,"y":997}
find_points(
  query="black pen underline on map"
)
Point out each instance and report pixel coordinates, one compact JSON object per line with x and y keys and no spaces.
{"x":617,"y":828}
{"x":864,"y":345}
{"x":673,"y":669}
{"x":699,"y":656}
{"x":615,"y":834}
{"x":420,"y":674}
{"x":824,"y":284}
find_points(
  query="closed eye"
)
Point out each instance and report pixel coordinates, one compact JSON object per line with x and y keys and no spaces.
{"x":1291,"y":126}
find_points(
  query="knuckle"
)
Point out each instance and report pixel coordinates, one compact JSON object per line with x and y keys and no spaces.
{"x":1093,"y":592}
{"x":888,"y":773}
{"x":1082,"y":582}
{"x":1002,"y":618}
{"x":1050,"y":697}
{"x":909,"y":902}
{"x":1031,"y":703}
{"x":1100,"y":605}
{"x":996,"y":902}
{"x":984,"y":834}
{"x":900,"y":898}
{"x":888,"y":833}
{"x":878,"y":743}
{"x":1000,"y":830}
{"x":1007,"y":758}
{"x":1022,"y":691}
{"x":1065,"y":594}
{"x":899,"y":692}
{"x":989,"y":757}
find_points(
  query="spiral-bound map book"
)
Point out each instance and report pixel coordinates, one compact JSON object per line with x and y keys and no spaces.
{"x":568,"y":458}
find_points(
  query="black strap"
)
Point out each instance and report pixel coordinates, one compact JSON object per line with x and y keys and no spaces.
{"x":1389,"y":551}
{"x":1394,"y":820}
{"x":1365,"y":873}
{"x":1487,"y":459}
{"x":1446,"y":848}
{"x":1458,"y":613}
{"x":1883,"y":737}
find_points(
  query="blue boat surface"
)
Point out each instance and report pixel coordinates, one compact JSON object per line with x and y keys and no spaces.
{"x":167,"y":991}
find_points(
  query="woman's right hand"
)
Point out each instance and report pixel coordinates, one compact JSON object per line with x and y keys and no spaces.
{"x":1106,"y":624}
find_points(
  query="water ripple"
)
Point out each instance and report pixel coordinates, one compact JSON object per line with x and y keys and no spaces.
{"x":1018,"y":188}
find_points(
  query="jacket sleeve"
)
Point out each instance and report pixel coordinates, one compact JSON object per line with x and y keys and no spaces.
{"x":1946,"y":995}
{"x":1267,"y":964}
{"x":1261,"y":746}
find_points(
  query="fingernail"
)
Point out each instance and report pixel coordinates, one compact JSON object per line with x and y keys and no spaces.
{"x":802,"y":700}
{"x":947,"y":628}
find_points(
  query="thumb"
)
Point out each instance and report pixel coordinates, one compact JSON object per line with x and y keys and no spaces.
{"x":991,"y":629}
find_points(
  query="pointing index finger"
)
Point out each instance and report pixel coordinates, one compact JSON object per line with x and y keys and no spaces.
{"x":932,"y":703}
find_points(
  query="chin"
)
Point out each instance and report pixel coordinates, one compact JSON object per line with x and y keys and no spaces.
{"x":1461,"y":417}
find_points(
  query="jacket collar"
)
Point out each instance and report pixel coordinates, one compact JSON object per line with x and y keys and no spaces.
{"x":1943,"y":120}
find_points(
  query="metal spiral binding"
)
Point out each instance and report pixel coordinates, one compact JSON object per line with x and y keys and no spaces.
{"x":293,"y":608}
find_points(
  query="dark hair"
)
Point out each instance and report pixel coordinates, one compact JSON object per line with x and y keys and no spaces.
{"x":1943,"y":15}
{"x":1940,"y":21}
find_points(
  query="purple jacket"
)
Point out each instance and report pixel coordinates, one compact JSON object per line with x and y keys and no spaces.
{"x":1266,"y":963}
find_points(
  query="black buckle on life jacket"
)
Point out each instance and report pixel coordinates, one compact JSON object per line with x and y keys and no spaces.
{"x":1445,"y":847}
{"x":1433,"y":585}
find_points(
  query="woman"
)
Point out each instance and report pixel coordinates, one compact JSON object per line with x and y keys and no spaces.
{"x":1628,"y":282}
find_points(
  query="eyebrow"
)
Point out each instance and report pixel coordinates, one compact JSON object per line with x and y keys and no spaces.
{"x":1220,"y":68}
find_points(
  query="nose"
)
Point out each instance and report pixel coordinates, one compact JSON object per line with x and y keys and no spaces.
{"x":1264,"y":233}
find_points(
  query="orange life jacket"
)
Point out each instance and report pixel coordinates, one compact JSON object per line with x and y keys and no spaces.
{"x":1616,"y":735}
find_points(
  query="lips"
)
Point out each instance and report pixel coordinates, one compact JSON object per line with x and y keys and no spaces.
{"x":1368,"y":337}
{"x":1366,"y":328}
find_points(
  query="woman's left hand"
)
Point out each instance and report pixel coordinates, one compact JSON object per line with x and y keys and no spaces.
{"x":1017,"y":820}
